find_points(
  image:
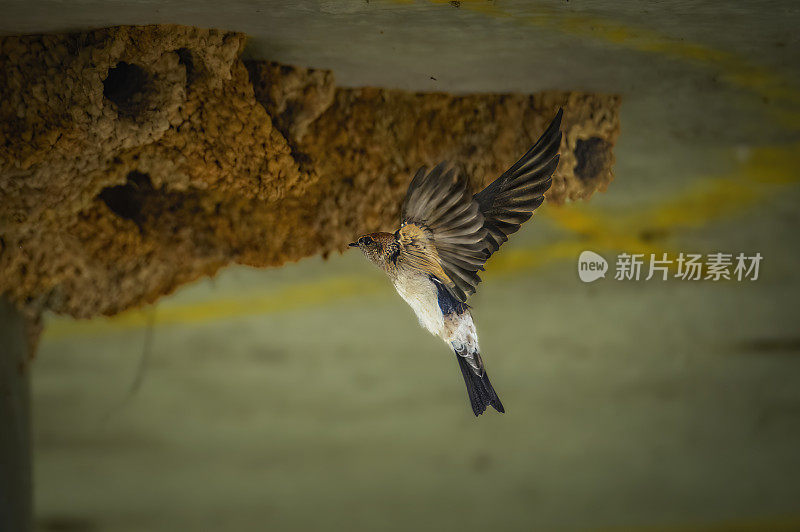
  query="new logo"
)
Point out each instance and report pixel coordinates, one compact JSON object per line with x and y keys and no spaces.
{"x":591,"y":266}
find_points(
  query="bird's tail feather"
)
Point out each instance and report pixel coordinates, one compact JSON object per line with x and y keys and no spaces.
{"x":479,"y":389}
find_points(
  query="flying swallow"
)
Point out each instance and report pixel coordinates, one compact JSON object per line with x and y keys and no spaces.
{"x":445,"y":237}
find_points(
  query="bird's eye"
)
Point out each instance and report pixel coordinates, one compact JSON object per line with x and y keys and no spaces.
{"x":367,"y":241}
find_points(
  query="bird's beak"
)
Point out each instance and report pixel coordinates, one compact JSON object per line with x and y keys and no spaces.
{"x":353,"y":244}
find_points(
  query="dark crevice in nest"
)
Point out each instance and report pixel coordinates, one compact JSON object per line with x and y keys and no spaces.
{"x":591,"y":156}
{"x":126,"y":86}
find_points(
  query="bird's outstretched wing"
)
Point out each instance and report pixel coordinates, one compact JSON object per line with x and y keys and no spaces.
{"x":450,"y":234}
{"x":510,"y":200}
{"x":442,"y":230}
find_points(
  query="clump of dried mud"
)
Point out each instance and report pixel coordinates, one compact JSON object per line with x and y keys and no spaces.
{"x":135,"y":159}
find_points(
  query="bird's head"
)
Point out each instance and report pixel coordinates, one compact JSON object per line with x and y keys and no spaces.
{"x":380,"y":248}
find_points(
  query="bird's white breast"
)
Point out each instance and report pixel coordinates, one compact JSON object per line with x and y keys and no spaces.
{"x":420,"y":293}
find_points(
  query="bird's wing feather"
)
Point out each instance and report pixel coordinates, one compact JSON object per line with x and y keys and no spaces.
{"x":510,"y":200}
{"x":442,"y":230}
{"x":447,"y":233}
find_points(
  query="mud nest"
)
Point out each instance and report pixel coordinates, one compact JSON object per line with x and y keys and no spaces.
{"x":135,"y":159}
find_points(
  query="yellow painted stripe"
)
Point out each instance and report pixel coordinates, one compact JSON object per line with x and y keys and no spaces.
{"x":763,"y":173}
{"x":298,"y":296}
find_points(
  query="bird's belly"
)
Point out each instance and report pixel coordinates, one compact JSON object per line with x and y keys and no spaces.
{"x":421,"y":295}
